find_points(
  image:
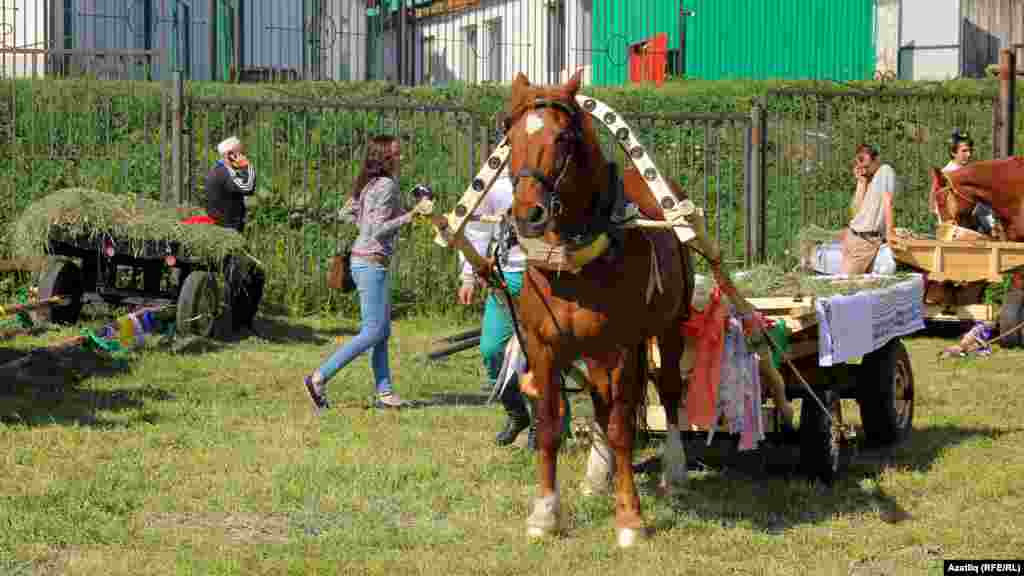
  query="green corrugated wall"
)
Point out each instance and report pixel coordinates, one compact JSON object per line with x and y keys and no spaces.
{"x":788,"y":39}
{"x":758,"y":39}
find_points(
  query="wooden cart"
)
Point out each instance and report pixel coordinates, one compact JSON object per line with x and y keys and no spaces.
{"x":959,"y":266}
{"x":882,"y":383}
{"x":82,"y":268}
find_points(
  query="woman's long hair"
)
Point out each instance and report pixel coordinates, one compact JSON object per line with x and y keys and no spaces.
{"x":377,"y":163}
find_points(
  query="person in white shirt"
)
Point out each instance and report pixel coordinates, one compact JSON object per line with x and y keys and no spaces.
{"x":497,"y":328}
{"x":873,"y":221}
{"x":961,"y":149}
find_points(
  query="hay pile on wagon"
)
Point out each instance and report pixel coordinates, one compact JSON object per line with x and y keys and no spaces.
{"x":134,"y":221}
{"x":773,"y":281}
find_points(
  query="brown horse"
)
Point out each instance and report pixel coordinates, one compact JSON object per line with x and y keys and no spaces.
{"x":604,"y":308}
{"x":998,"y":183}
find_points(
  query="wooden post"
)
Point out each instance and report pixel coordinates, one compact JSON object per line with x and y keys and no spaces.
{"x":1007,"y":100}
{"x":755,"y":209}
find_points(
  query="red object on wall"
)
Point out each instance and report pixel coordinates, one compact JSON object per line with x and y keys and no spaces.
{"x":648,"y":60}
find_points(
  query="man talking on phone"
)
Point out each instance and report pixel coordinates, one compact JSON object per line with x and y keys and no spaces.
{"x":230,"y":180}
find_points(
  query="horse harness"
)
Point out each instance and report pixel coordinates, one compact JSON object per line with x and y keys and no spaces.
{"x":583,"y":240}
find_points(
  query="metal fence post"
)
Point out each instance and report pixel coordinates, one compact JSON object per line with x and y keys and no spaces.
{"x":177,"y":113}
{"x":177,"y":147}
{"x":1007,"y":98}
{"x":755,"y":208}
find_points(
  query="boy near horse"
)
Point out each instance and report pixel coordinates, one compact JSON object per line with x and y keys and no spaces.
{"x":873,"y":222}
{"x":961,"y":148}
{"x":497,"y":328}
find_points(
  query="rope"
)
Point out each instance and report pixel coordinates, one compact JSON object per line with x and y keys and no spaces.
{"x":1001,"y":336}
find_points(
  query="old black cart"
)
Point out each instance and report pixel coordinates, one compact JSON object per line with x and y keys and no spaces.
{"x":101,"y":267}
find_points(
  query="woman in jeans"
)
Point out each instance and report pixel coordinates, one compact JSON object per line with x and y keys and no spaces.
{"x":374,"y":207}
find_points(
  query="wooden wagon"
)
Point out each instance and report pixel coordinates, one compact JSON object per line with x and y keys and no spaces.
{"x":881,"y":381}
{"x":959,"y":265}
{"x":86,"y":268}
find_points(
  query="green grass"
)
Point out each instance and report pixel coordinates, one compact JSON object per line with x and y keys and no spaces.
{"x":211,"y":462}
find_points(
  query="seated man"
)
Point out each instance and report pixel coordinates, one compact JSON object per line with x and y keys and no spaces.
{"x":872,"y":223}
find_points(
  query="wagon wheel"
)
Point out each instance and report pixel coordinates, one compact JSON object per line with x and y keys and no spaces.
{"x":197,"y":304}
{"x":885,"y":392}
{"x":61,"y":278}
{"x":821,"y":442}
{"x":1010,"y":315}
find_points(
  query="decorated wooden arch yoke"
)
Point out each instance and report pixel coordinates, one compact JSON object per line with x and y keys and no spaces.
{"x":676,"y":211}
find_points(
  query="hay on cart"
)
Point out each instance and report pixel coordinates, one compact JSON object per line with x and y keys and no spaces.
{"x":768,"y":280}
{"x":132,"y":220}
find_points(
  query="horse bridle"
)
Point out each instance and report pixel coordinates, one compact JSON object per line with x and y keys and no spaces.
{"x":571,"y":137}
{"x":952,"y":189}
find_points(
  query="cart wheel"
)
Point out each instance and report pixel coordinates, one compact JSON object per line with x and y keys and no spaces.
{"x":821,"y":442}
{"x":1010,"y":315}
{"x":197,"y":304}
{"x":885,"y":393}
{"x":61,"y":278}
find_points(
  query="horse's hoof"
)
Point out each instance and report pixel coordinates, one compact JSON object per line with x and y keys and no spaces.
{"x":536,"y":532}
{"x":546,"y":517}
{"x":629,"y":537}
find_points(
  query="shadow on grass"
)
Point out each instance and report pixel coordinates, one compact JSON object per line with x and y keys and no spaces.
{"x":457,"y":399}
{"x":766,"y":489}
{"x":44,"y":388}
{"x":279,"y":330}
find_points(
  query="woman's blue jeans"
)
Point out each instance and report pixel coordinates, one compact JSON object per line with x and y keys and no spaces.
{"x":374,"y":286}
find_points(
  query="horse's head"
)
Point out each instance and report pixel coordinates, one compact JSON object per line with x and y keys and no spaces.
{"x":553,"y":153}
{"x":950,"y":200}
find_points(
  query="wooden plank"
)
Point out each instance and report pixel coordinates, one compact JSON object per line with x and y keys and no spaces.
{"x":23,"y":264}
{"x":962,"y":260}
{"x":797,"y":323}
{"x":656,"y":418}
{"x":975,"y":312}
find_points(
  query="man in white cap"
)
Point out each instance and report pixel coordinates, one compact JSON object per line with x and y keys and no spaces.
{"x":230,"y":180}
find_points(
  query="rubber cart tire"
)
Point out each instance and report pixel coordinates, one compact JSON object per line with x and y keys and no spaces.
{"x":61,"y":278}
{"x":885,"y":393}
{"x":821,"y":442}
{"x":1010,"y":315}
{"x":197,"y":305}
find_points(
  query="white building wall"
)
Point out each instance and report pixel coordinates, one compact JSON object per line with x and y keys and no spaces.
{"x":887,"y":35}
{"x":346,"y":54}
{"x":520,"y":41}
{"x":926,"y":23}
{"x":22,"y":25}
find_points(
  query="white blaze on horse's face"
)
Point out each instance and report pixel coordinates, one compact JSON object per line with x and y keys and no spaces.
{"x":534,"y":123}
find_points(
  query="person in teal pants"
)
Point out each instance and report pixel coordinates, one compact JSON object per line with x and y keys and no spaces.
{"x":497,"y":327}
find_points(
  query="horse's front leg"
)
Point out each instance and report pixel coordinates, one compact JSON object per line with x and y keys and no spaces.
{"x":625,"y":388}
{"x":546,"y":517}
